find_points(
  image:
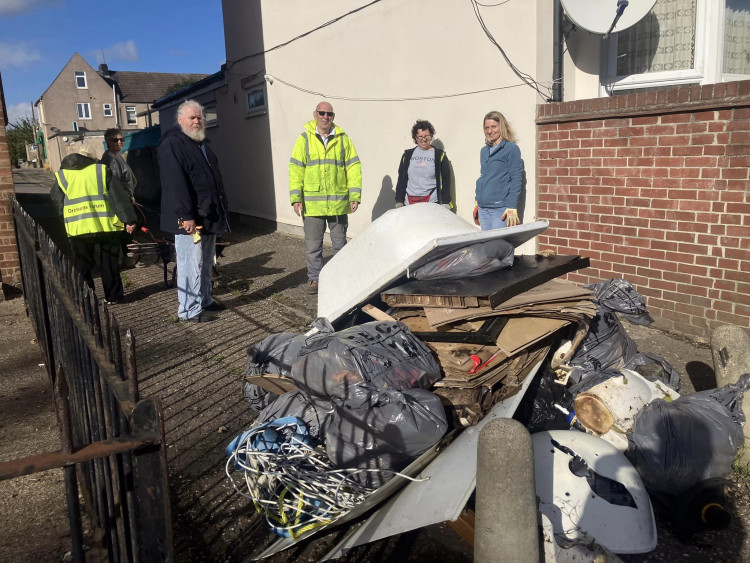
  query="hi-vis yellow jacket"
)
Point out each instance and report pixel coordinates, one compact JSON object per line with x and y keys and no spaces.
{"x":324,"y":179}
{"x":86,"y":207}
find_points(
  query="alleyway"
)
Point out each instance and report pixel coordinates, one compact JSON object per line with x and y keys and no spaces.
{"x":195,"y":370}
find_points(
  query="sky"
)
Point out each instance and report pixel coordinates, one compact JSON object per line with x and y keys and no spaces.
{"x":38,"y":37}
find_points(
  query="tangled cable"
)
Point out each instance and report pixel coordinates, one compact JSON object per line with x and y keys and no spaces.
{"x":292,"y":483}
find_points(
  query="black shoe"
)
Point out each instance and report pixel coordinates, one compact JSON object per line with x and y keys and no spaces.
{"x":115,"y":301}
{"x":215,"y":306}
{"x":199,"y":318}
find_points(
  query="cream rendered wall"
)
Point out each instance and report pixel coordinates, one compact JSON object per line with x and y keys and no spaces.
{"x":396,"y":49}
{"x":581,"y":65}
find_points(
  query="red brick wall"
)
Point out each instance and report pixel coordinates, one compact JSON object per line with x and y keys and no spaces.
{"x":10,"y":272}
{"x":654,"y":188}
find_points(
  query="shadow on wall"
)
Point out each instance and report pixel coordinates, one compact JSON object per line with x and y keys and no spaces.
{"x":522,"y":196}
{"x":386,"y":198}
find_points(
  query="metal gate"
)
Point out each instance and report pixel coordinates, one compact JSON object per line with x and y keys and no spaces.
{"x":113,"y":448}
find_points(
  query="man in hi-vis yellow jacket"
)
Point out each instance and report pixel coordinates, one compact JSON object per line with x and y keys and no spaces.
{"x":325,"y":185}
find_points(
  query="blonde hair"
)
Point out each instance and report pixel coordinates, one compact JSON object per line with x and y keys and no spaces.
{"x":506,"y":131}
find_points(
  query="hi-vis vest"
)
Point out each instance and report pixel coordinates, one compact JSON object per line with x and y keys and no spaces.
{"x":326,"y":178}
{"x":86,"y":208}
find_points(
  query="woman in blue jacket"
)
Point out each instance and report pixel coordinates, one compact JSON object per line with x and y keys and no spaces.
{"x":501,"y":173}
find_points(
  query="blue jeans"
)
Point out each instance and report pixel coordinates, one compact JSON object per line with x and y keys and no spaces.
{"x":490,"y":218}
{"x":315,"y":228}
{"x":194,"y":261}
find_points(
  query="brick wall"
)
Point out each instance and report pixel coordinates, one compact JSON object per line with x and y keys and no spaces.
{"x":10,"y":272}
{"x":653,"y":187}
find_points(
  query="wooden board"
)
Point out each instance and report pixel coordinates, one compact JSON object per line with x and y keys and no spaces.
{"x":490,"y":289}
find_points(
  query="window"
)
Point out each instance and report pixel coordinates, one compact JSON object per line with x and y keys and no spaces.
{"x":130,"y":112}
{"x":75,"y":126}
{"x":80,"y":79}
{"x":681,"y":42}
{"x":211,"y":115}
{"x":83,"y":110}
{"x":107,"y":110}
{"x":256,"y":101}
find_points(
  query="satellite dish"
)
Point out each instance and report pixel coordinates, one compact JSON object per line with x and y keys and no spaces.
{"x":606,"y":16}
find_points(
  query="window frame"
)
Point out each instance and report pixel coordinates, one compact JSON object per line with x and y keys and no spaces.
{"x":252,"y":89}
{"x":107,"y":108}
{"x":81,"y":74}
{"x":708,"y":57}
{"x":210,"y":109}
{"x":80,"y":106}
{"x":128,"y":113}
{"x":75,"y":126}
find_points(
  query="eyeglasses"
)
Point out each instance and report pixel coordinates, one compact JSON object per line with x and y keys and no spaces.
{"x":120,"y":140}
{"x":324,"y":113}
{"x":424,"y":138}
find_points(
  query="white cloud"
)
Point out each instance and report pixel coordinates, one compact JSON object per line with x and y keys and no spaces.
{"x":122,"y":51}
{"x":13,"y":7}
{"x":12,"y":54}
{"x":17,"y":111}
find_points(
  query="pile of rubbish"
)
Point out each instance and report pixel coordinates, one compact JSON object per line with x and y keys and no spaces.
{"x":373,"y":404}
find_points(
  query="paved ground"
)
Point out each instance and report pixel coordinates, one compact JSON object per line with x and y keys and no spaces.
{"x":195,"y":370}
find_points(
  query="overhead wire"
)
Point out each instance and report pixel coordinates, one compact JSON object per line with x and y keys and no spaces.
{"x":526,"y":78}
{"x":386,"y":99}
{"x":301,"y":35}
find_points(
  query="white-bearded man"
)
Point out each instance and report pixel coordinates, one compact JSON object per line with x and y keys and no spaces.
{"x":193,"y":207}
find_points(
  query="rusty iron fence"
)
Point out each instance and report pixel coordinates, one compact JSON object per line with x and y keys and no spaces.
{"x":112,"y":442}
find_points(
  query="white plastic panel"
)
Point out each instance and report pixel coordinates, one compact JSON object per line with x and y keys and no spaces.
{"x":577,"y":513}
{"x":386,"y":248}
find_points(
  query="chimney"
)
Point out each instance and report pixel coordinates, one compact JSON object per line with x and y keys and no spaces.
{"x":104,"y":69}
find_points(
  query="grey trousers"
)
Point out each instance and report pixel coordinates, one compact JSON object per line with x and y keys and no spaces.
{"x":315,"y":228}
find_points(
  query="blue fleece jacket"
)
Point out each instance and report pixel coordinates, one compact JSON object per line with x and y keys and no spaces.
{"x":501,"y":172}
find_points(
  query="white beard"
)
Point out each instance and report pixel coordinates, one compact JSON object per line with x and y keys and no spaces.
{"x":197,"y":136}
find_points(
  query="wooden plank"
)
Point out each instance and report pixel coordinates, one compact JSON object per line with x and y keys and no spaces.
{"x":376,"y":313}
{"x":464,"y":526}
{"x":271,"y":382}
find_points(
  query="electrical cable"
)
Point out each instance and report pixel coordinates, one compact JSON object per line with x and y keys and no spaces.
{"x":296,"y":487}
{"x":301,"y":35}
{"x":526,"y":78}
{"x":369,"y":99}
{"x":493,"y":5}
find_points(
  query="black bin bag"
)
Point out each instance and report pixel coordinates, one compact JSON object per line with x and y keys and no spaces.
{"x":674,"y":446}
{"x":383,"y":354}
{"x":383,"y":430}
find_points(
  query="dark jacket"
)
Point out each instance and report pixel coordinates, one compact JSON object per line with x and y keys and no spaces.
{"x":116,"y":163}
{"x":119,"y":198}
{"x":499,"y":184}
{"x":191,"y":185}
{"x":442,"y":176}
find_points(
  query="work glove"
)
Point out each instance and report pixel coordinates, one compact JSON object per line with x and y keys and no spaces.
{"x":399,"y":205}
{"x":476,"y":215}
{"x":510,"y":217}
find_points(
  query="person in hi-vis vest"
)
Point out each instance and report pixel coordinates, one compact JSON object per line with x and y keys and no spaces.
{"x":95,"y":208}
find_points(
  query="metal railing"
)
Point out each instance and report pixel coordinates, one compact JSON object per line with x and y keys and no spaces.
{"x":112,"y":442}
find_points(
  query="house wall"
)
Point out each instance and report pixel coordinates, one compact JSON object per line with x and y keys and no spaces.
{"x":653,"y":187}
{"x":59,"y":106}
{"x":10,"y":271}
{"x":395,"y":50}
{"x":141,"y":121}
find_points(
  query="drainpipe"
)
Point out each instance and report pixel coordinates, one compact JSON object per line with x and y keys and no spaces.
{"x":557,"y":53}
{"x":117,"y":110}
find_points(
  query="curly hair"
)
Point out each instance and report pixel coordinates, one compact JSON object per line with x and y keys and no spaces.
{"x":421,"y":124}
